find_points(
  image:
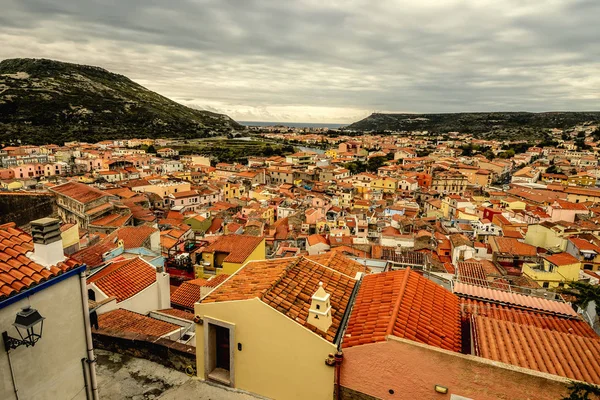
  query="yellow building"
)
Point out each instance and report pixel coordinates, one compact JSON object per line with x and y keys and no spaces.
{"x":548,"y":235}
{"x":555,"y":271}
{"x":331,"y":153}
{"x":11,"y":185}
{"x":385,"y":184}
{"x":69,"y":234}
{"x":254,"y":334}
{"x":233,"y":191}
{"x":228,"y":253}
{"x":582,"y":179}
{"x":513,"y":204}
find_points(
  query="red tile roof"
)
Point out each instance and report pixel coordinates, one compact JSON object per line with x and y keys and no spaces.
{"x":405,"y":304}
{"x":316,"y":239}
{"x":92,"y":255}
{"x":562,"y":259}
{"x":511,"y":246}
{"x":287,"y":285}
{"x":79,"y":192}
{"x":134,"y":236}
{"x":17,"y":271}
{"x":574,"y":326}
{"x":178,"y":313}
{"x":514,"y":299}
{"x":189,"y":292}
{"x":239,"y":247}
{"x":544,"y":350}
{"x":120,"y":320}
{"x":124,"y":279}
{"x":340,"y":263}
{"x":472,"y":272}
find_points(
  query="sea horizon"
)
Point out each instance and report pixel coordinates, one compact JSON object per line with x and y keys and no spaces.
{"x":293,"y":124}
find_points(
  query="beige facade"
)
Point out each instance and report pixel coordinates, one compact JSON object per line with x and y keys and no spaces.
{"x":270,"y":354}
{"x":51,"y":369}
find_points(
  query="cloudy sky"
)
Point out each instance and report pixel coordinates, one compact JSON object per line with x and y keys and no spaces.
{"x":327,"y":60}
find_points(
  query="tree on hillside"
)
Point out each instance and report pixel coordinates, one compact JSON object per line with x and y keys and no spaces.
{"x":375,"y":163}
{"x":584,"y":294}
{"x":151,"y":150}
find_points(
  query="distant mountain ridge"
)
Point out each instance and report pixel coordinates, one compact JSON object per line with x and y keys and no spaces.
{"x":484,"y":124}
{"x":46,"y":101}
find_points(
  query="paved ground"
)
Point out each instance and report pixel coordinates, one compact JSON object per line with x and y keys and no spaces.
{"x":123,"y":377}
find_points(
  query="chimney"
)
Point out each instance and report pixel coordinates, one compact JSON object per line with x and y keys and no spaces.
{"x":47,"y":242}
{"x":319,"y":313}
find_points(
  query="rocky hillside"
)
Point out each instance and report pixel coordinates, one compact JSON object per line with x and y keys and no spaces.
{"x":44,"y":101}
{"x":497,"y":124}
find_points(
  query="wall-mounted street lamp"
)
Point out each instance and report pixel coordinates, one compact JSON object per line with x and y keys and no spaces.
{"x":29,"y":324}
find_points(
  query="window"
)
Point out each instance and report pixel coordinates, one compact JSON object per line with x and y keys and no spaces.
{"x":589,"y":267}
{"x":546,"y":285}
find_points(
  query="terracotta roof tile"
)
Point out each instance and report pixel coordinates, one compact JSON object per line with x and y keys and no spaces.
{"x":135,"y":236}
{"x":239,"y":247}
{"x":17,"y":271}
{"x":79,"y":191}
{"x":120,"y":320}
{"x":514,"y":299}
{"x":92,"y":255}
{"x":189,"y":292}
{"x":178,"y":313}
{"x":544,"y":350}
{"x":287,"y":285}
{"x":472,"y":272}
{"x":511,"y":246}
{"x":339,"y":262}
{"x":502,"y":312}
{"x":123,"y":279}
{"x":404,"y":304}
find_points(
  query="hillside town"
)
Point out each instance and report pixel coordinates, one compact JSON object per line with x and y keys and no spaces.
{"x":360,"y":266}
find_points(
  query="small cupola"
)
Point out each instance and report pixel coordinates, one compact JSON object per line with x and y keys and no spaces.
{"x":319,"y":314}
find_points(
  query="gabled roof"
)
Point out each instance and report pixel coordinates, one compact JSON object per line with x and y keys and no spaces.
{"x":511,"y":246}
{"x":405,"y":304}
{"x":17,"y":271}
{"x":189,"y":292}
{"x":514,"y":299}
{"x":124,"y":279}
{"x":287,"y":285}
{"x":124,"y":321}
{"x":239,"y":247}
{"x":562,"y":259}
{"x":134,"y":236}
{"x":527,"y":346}
{"x":340,"y":263}
{"x":507,"y":312}
{"x":79,"y":191}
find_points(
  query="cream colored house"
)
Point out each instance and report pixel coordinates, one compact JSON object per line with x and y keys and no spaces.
{"x":58,"y":365}
{"x":273,"y":327}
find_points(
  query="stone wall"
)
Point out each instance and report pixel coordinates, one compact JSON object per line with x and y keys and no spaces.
{"x":162,"y":351}
{"x":349,"y":394}
{"x":22,"y":208}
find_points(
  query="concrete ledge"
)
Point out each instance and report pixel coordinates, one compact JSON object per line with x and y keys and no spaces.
{"x":166,"y":352}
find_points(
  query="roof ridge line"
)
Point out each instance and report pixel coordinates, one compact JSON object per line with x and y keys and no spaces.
{"x":284,"y":272}
{"x":394,"y":315}
{"x":329,"y":268}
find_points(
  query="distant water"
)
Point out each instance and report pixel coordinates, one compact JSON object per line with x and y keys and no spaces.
{"x":292,"y":124}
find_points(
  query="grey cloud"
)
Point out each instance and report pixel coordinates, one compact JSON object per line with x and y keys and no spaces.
{"x":327,"y":60}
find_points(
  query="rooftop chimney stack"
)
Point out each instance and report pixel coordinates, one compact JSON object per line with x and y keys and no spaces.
{"x":47,"y":242}
{"x":319,"y":313}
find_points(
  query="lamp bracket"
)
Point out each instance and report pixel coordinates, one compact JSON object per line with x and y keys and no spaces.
{"x":10,"y":343}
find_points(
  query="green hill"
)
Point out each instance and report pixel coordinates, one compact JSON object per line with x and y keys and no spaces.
{"x":46,"y":101}
{"x":501,"y":125}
